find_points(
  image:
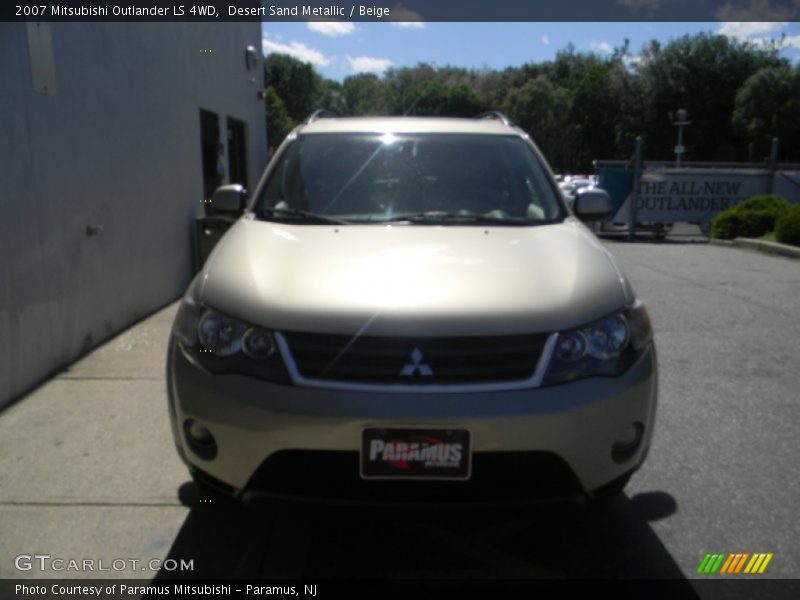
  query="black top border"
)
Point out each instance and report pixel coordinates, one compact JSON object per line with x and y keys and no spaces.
{"x":401,"y":10}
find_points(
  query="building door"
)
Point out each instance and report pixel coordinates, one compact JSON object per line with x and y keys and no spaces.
{"x":211,"y":149}
{"x":210,"y":227}
{"x":237,"y":152}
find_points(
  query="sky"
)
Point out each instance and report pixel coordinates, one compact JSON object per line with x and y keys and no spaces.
{"x":339,"y":49}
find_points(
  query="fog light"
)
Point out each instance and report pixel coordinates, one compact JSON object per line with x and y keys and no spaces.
{"x":627,"y":442}
{"x":200,"y":439}
{"x":198,"y":433}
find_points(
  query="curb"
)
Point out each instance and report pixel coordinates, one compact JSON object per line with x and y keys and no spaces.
{"x":761,"y":246}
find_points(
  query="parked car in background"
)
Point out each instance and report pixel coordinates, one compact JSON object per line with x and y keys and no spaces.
{"x":387,"y":323}
{"x":658,"y":230}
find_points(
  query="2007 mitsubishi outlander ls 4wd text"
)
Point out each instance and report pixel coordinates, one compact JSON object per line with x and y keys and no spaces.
{"x":408,"y":311}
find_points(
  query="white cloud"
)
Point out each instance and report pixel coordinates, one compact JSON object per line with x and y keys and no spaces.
{"x":332,"y":28}
{"x":786,"y":42}
{"x":746,"y":29}
{"x":633,"y":60}
{"x":545,"y":40}
{"x":761,"y":41}
{"x":409,"y":24}
{"x":298,"y":50}
{"x":792,"y":41}
{"x":601,"y":47}
{"x":368,"y":64}
{"x":761,"y":33}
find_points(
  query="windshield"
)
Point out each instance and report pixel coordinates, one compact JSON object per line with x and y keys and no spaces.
{"x":420,"y":178}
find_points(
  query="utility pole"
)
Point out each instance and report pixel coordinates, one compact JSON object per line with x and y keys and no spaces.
{"x":634,"y":197}
{"x":681,"y":120}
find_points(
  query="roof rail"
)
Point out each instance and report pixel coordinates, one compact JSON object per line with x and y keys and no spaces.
{"x":320,"y":113}
{"x":497,"y":115}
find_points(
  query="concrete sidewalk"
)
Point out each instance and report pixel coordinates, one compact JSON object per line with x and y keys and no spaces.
{"x":87,"y":465}
{"x":761,"y":246}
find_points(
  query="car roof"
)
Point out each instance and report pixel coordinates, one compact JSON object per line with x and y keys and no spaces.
{"x":408,"y":125}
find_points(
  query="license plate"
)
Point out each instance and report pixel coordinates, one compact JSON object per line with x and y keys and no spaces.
{"x":415,"y":453}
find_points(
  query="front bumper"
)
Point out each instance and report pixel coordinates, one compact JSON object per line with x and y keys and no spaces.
{"x":256,"y":423}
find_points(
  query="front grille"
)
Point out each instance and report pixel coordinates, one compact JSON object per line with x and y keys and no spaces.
{"x":496,"y":477}
{"x":398,"y":360}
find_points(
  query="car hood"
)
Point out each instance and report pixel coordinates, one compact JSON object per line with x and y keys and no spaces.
{"x":412,"y":279}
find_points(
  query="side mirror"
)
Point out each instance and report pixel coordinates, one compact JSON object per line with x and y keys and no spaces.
{"x":592,"y":204}
{"x":228,"y":199}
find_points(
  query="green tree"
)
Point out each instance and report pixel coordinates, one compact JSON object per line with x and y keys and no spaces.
{"x":279,"y":123}
{"x":767,"y":106}
{"x":365,"y":94}
{"x":495,"y":86}
{"x":700,"y":73}
{"x":401,"y":83}
{"x":432,"y":98}
{"x":542,"y":109}
{"x":332,"y":97}
{"x":581,"y":106}
{"x":594,"y":112}
{"x":629,"y":96}
{"x":297,"y":83}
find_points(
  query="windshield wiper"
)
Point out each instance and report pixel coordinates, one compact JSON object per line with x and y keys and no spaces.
{"x":274,"y":211}
{"x":439,"y":216}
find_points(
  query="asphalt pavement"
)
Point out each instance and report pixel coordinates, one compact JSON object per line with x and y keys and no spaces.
{"x":88,"y":469}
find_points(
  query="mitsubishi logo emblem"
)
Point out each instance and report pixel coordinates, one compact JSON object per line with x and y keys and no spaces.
{"x":417,"y":366}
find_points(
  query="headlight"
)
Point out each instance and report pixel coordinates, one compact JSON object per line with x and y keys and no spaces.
{"x":258,"y":344}
{"x":185,"y":326}
{"x":220,"y":334}
{"x":607,"y":347}
{"x":572,"y":346}
{"x":223,"y":344}
{"x":608,"y":337}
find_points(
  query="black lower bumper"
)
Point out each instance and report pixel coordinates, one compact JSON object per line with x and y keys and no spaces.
{"x":497,"y":478}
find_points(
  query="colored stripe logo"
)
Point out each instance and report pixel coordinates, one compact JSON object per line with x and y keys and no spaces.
{"x":736,"y":563}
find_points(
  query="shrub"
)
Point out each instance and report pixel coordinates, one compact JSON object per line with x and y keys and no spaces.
{"x":770,"y":203}
{"x":725,"y":225}
{"x":787,"y":227}
{"x":731,"y":224}
{"x":750,"y":218}
{"x":755,"y":223}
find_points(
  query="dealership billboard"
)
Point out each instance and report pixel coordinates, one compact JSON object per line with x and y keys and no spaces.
{"x":691,"y":194}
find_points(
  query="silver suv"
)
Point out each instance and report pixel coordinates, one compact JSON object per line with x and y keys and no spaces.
{"x":408,"y":311}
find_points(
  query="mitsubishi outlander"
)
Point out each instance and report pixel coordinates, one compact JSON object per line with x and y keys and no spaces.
{"x":408,"y":311}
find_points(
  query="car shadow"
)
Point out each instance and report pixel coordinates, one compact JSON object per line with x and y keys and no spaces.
{"x":282,"y":539}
